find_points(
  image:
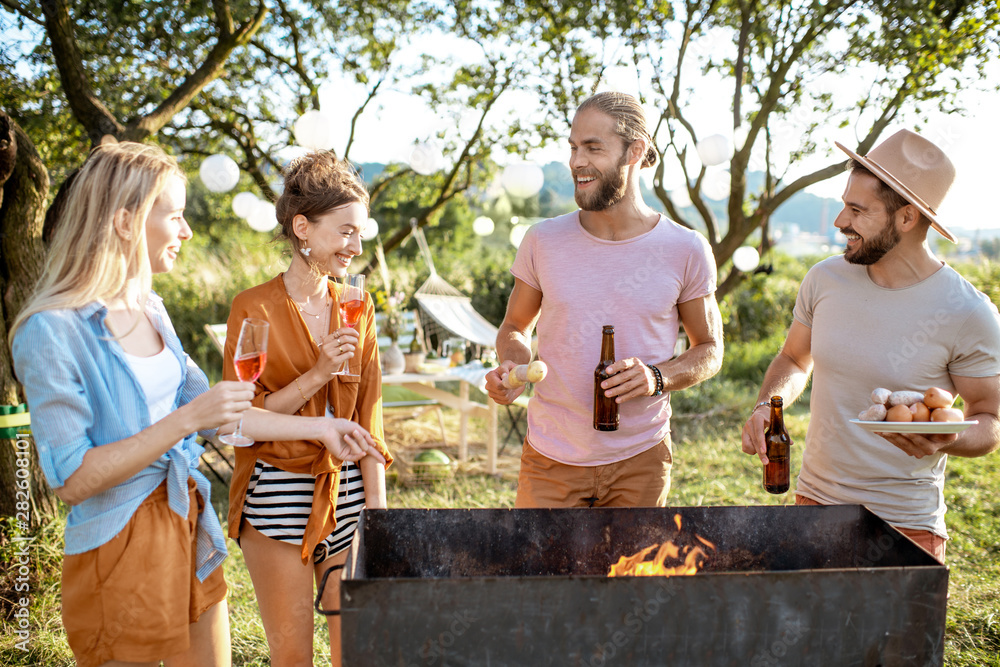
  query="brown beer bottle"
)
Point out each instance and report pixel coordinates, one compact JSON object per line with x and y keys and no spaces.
{"x":605,"y":409}
{"x":776,"y":471}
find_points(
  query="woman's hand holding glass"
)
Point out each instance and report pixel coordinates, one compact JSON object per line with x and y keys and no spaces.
{"x":336,"y":349}
{"x":223,"y":404}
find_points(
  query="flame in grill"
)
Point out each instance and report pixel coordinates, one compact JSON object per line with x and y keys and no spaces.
{"x":691,"y":558}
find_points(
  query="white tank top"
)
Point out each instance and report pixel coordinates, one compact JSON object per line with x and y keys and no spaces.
{"x":160,"y":378}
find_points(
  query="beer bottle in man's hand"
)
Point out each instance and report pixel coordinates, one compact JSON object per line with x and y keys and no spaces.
{"x":605,"y":409}
{"x":776,"y":470}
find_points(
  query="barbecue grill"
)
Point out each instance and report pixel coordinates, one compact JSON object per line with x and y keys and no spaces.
{"x":785,"y":585}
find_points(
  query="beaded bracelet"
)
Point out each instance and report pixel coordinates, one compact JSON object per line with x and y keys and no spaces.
{"x":659,"y":380}
{"x":300,"y":391}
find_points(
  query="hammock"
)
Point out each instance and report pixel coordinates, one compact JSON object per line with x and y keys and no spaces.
{"x":445,"y":309}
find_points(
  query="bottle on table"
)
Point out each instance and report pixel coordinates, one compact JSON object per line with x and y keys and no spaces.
{"x":776,"y":470}
{"x":605,"y":409}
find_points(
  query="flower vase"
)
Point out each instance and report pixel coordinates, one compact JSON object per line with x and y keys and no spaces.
{"x":393,"y":360}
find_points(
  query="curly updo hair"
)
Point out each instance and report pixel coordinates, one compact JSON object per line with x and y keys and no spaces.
{"x":314,"y":184}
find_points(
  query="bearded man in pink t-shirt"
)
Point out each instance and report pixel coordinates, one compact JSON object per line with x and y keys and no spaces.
{"x":614,"y":262}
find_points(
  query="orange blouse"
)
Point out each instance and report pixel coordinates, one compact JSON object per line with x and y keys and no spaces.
{"x":291,"y":352}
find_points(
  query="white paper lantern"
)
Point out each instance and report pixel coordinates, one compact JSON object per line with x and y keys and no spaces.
{"x":517,"y":234}
{"x":426,"y":158}
{"x":263,"y":217}
{"x":243,"y":204}
{"x":219,"y":173}
{"x":680,"y":197}
{"x":523,"y":179}
{"x":746,"y":259}
{"x":714,"y":149}
{"x":370,"y":230}
{"x":314,"y":130}
{"x":715,"y":185}
{"x":483,"y":226}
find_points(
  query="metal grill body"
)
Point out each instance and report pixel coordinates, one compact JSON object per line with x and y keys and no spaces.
{"x":786,"y":586}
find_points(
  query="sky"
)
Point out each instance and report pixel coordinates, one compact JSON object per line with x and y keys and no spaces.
{"x":971,"y":140}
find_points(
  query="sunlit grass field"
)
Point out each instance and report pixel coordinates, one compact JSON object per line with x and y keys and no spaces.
{"x":709,"y":469}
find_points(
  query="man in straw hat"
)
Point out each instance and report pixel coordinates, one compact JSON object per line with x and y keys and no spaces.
{"x":887,"y":314}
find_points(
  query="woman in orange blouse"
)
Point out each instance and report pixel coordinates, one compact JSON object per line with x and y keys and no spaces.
{"x":292,"y":506}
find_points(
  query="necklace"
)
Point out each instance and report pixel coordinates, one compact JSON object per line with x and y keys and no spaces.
{"x":302,"y":310}
{"x":326,"y":303}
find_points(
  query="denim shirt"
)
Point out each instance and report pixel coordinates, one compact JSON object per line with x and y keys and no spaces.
{"x":82,"y":394}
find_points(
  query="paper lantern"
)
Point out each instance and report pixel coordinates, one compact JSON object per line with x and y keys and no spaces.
{"x":746,"y":259}
{"x":263,"y":217}
{"x":517,"y":234}
{"x":522,"y":179}
{"x":219,"y":173}
{"x":243,"y":204}
{"x":483,"y":226}
{"x":680,"y":197}
{"x":314,"y":130}
{"x":370,"y":230}
{"x":714,"y":149}
{"x":426,"y":158}
{"x":715,"y":185}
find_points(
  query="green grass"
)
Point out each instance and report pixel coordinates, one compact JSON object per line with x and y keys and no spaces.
{"x":709,"y":469}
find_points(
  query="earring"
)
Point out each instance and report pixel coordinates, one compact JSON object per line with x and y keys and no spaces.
{"x":305,"y":250}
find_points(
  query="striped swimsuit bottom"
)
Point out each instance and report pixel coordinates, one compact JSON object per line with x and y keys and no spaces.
{"x":278,"y":505}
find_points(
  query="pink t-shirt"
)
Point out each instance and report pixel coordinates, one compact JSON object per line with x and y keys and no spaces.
{"x":587,"y":282}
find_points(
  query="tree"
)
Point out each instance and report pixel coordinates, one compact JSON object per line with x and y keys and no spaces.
{"x":783,"y":62}
{"x":130,"y":94}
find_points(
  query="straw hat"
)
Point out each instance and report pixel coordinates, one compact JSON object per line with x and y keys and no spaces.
{"x":915,"y":168}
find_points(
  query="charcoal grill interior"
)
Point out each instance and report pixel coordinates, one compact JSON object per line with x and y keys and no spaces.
{"x":547,"y":542}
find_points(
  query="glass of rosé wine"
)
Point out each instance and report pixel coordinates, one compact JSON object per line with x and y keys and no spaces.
{"x":352,"y":304}
{"x":249,"y":359}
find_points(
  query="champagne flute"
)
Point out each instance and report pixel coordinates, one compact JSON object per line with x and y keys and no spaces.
{"x":352,"y":304}
{"x":249,"y":359}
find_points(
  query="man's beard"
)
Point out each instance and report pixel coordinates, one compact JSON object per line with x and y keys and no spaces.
{"x":871,"y":251}
{"x":611,"y":190}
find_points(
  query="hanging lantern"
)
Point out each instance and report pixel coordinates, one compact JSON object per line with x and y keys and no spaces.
{"x":263,"y":217}
{"x":243,"y":204}
{"x":714,"y":149}
{"x":314,"y":130}
{"x":746,"y":259}
{"x":483,"y":226}
{"x":523,"y":179}
{"x":370,"y":230}
{"x":715,"y":185}
{"x":219,"y":173}
{"x":680,"y":197}
{"x":517,"y":234}
{"x":426,"y":158}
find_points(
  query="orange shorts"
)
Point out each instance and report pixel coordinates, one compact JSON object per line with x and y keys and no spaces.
{"x":928,"y":541}
{"x":135,"y":597}
{"x":640,"y":481}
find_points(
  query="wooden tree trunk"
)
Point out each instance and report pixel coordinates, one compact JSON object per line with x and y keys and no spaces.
{"x":24,"y":188}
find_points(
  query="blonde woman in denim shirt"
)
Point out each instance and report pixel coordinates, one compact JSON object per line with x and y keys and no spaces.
{"x":116,"y":404}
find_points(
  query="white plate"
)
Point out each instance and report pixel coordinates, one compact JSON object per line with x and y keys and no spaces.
{"x":928,"y":428}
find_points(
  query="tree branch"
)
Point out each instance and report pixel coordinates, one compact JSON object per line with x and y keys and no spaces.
{"x":23,"y":11}
{"x":228,"y":41}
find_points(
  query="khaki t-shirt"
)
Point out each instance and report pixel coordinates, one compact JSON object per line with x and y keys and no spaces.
{"x":863,"y":337}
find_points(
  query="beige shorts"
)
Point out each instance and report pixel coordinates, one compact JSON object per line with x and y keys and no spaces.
{"x":135,"y":597}
{"x":640,"y":481}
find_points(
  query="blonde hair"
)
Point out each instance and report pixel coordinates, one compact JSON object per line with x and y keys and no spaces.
{"x":314,"y":184}
{"x":630,"y":120}
{"x":88,"y":259}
